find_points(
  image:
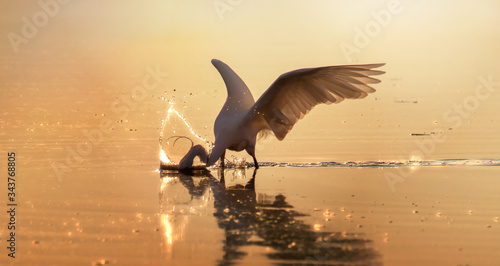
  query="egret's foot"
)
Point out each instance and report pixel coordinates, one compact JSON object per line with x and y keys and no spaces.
{"x":256,"y":164}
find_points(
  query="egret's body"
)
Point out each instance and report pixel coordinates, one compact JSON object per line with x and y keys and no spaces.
{"x":286,"y":101}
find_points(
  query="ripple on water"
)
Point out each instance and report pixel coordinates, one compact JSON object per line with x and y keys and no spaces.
{"x":444,"y":162}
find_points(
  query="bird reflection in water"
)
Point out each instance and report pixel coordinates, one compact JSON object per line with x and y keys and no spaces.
{"x":249,"y":218}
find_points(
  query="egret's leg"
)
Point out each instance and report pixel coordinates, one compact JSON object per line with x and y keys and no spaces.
{"x":222,"y":159}
{"x":251,"y":150}
{"x":255,"y":162}
{"x":222,"y":180}
{"x":251,"y":183}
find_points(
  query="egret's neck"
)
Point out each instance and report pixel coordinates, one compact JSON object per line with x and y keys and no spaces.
{"x":197,"y":150}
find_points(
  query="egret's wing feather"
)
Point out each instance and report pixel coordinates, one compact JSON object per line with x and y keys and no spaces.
{"x":239,"y":97}
{"x":295,"y":93}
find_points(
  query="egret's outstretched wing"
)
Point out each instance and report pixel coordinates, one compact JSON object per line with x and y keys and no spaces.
{"x":239,"y":97}
{"x":295,"y":93}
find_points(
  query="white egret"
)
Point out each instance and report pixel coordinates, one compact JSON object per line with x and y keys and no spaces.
{"x":286,"y":101}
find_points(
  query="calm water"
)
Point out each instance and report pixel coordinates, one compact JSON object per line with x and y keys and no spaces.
{"x":118,"y":209}
{"x":346,"y":192}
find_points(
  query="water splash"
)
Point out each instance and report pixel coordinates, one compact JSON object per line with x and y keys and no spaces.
{"x":177,"y":136}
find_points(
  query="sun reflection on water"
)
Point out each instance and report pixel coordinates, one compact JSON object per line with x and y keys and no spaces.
{"x":178,"y":205}
{"x":168,"y":231}
{"x":164,"y":157}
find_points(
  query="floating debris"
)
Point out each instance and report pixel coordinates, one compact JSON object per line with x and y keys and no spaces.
{"x":405,"y":101}
{"x":422,"y":134}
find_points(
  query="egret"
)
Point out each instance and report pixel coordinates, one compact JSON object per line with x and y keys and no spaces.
{"x":286,"y":101}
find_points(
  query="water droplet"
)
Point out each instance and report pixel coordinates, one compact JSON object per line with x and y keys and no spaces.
{"x":317,"y":227}
{"x":100,"y":262}
{"x":327,"y":213}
